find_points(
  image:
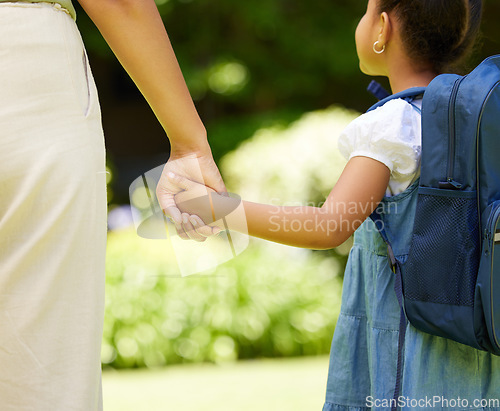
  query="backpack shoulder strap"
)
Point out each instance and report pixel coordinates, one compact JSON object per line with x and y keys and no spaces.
{"x":377,"y":90}
{"x":408,"y":95}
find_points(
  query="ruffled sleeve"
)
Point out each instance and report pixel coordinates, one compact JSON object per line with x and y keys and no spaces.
{"x":390,"y":134}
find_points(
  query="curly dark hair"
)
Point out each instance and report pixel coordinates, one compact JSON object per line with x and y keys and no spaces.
{"x":437,"y":33}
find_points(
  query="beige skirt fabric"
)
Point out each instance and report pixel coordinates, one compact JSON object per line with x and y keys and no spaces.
{"x":52,"y":214}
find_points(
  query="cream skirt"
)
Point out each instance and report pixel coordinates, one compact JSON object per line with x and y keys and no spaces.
{"x":52,"y":214}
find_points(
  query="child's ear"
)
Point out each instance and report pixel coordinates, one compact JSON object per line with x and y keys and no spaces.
{"x":385,"y":28}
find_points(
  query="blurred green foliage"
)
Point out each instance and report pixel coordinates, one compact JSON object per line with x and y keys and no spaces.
{"x":267,"y":302}
{"x":249,"y":63}
{"x":270,"y":301}
{"x":259,"y":55}
{"x":298,"y":164}
{"x":250,"y":56}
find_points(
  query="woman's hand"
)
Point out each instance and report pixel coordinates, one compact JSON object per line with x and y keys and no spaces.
{"x":198,"y":169}
{"x":194,"y":205}
{"x":194,"y":198}
{"x":135,"y":32}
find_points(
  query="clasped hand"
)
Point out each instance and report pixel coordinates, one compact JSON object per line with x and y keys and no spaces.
{"x":194,"y":166}
{"x":195,"y":201}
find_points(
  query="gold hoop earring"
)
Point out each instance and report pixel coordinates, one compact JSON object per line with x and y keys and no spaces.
{"x":375,"y":48}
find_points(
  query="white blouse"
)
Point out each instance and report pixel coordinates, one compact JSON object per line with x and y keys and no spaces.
{"x":391,"y":134}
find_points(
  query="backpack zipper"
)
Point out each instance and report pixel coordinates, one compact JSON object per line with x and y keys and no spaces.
{"x":491,"y":238}
{"x":450,"y":183}
{"x":487,"y":238}
{"x":477,"y":150}
{"x":490,"y":234}
{"x":491,"y":293}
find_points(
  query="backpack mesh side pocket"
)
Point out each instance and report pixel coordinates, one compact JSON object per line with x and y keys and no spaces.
{"x":444,"y":253}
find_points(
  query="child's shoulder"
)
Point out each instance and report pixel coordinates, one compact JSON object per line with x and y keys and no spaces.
{"x":390,"y":133}
{"x":392,"y":116}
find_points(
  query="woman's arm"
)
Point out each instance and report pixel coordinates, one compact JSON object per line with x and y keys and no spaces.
{"x":357,"y":193}
{"x":136,"y":34}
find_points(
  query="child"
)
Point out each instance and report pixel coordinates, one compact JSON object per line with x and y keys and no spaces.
{"x":410,"y":42}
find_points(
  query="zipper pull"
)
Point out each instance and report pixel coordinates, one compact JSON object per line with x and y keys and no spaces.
{"x":487,"y":238}
{"x":450,"y":184}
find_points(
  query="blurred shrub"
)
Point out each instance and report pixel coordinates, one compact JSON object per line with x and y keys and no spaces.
{"x":296,"y":164}
{"x":270,"y":301}
{"x":228,"y":133}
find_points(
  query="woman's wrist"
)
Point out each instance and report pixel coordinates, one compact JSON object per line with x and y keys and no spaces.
{"x":195,"y":144}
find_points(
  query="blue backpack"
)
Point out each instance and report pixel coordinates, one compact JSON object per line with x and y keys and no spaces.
{"x":449,"y":284}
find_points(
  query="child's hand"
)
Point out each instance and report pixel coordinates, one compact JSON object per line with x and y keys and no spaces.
{"x":196,"y":166}
{"x":196,"y":206}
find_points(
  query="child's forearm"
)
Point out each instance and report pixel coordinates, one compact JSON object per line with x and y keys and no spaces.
{"x":299,"y":226}
{"x":355,"y":196}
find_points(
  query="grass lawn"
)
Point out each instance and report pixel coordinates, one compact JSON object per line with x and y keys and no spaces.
{"x":296,"y":384}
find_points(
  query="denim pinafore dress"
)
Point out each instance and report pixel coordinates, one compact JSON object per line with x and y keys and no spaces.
{"x":437,"y":374}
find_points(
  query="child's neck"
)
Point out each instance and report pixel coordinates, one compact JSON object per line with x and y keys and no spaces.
{"x":403,"y":76}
